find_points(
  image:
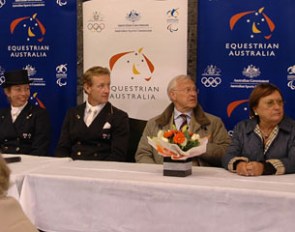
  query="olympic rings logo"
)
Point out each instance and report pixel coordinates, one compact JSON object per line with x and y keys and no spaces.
{"x":2,"y":3}
{"x":291,"y":85}
{"x":211,"y":81}
{"x":95,"y":26}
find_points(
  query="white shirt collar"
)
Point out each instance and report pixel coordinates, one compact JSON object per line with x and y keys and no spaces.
{"x":178,"y":113}
{"x":15,"y":111}
{"x":96,"y":108}
{"x":18,"y":109}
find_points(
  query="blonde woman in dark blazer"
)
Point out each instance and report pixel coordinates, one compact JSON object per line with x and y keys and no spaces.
{"x":12,"y":217}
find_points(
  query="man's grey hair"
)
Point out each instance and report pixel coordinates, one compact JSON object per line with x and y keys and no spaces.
{"x":172,"y":84}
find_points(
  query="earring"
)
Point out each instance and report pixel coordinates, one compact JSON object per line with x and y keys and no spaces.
{"x":256,"y":113}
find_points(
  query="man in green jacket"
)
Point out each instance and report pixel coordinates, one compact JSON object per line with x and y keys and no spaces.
{"x":183,"y":95}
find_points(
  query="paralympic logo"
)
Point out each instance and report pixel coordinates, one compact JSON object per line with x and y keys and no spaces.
{"x":61,"y":2}
{"x":2,"y":3}
{"x":61,"y":75}
{"x":260,"y":23}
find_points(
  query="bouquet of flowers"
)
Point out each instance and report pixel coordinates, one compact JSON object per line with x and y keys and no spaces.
{"x":179,"y":145}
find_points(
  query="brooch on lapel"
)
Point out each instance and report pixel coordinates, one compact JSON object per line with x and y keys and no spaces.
{"x":106,"y":136}
{"x":27,"y":135}
{"x":29,"y":116}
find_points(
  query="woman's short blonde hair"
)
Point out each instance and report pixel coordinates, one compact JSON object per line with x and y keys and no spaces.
{"x":4,"y":177}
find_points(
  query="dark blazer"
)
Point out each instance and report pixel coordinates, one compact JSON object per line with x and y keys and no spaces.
{"x":29,"y":134}
{"x":248,"y":146}
{"x":95,"y":142}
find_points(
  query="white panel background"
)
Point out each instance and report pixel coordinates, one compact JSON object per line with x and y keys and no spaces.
{"x":166,"y":50}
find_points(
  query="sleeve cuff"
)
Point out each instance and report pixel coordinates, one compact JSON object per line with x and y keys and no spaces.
{"x":274,"y":166}
{"x":234,"y":161}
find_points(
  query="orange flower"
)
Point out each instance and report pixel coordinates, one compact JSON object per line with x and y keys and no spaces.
{"x":179,"y":138}
{"x":169,"y":133}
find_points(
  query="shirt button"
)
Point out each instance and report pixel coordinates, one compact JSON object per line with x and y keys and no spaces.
{"x":78,"y":153}
{"x":17,"y":149}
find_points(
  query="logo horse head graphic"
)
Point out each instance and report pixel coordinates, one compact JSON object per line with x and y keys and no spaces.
{"x":260,"y":23}
{"x":33,"y":26}
{"x":138,"y":63}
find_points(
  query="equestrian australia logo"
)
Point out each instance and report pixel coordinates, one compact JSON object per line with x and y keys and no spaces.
{"x":138,"y":63}
{"x":30,"y":26}
{"x":258,"y":22}
{"x":211,"y":76}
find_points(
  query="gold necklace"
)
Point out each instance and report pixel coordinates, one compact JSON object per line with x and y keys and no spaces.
{"x":265,"y":135}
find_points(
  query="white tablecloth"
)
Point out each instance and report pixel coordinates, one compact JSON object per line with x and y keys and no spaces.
{"x":28,"y":164}
{"x":89,"y":196}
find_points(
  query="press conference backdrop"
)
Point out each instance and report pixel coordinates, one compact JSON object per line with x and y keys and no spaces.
{"x":143,"y":43}
{"x":241,"y":44}
{"x":40,"y":36}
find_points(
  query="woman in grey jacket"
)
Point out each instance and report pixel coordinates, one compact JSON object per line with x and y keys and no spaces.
{"x":265,"y":143}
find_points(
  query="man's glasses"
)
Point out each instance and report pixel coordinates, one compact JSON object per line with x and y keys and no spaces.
{"x":187,"y":90}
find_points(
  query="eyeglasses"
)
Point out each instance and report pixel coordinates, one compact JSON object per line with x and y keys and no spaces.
{"x":187,"y":90}
{"x":271,"y":103}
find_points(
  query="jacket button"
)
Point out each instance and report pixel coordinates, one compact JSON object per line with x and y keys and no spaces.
{"x":5,"y":140}
{"x":17,"y":139}
{"x":17,"y":149}
{"x":78,"y":153}
{"x":79,"y":143}
{"x":5,"y":148}
{"x":98,"y":144}
{"x":95,"y":154}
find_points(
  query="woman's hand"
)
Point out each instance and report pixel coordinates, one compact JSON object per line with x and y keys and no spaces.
{"x":252,"y":168}
{"x":255,"y":168}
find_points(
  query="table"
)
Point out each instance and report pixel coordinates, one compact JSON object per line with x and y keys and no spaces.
{"x":95,"y":196}
{"x":28,"y":163}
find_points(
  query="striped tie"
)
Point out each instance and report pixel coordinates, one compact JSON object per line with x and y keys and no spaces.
{"x":184,"y":121}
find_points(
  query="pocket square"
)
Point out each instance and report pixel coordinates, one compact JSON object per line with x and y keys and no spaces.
{"x":106,"y":126}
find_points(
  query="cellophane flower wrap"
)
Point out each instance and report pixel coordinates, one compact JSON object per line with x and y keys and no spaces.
{"x":179,"y":145}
